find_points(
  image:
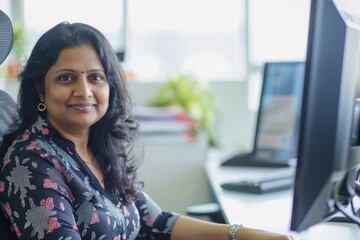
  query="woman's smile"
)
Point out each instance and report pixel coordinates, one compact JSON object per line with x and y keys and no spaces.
{"x":82,"y":107}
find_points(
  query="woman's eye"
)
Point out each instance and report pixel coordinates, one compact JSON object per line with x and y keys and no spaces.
{"x":66,"y":78}
{"x":96,"y":77}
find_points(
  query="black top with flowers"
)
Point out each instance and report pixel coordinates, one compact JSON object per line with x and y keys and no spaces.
{"x":49,"y":193}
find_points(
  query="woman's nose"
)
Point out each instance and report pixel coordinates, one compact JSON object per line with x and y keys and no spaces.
{"x":83,"y":88}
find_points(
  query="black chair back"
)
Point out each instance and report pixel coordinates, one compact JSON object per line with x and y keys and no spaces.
{"x":8,"y":114}
{"x":6,"y":36}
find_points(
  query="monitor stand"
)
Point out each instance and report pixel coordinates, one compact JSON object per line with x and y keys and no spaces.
{"x":343,"y":219}
{"x":250,"y":160}
{"x":342,"y":215}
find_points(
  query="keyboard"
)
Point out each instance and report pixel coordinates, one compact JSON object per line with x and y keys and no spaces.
{"x":260,"y":186}
{"x":250,"y":160}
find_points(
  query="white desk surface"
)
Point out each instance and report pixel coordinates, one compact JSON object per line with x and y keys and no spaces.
{"x":270,"y":211}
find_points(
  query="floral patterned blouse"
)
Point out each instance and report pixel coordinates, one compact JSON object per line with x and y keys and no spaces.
{"x":49,"y":193}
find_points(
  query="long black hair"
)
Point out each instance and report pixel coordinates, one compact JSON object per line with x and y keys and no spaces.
{"x":112,"y":137}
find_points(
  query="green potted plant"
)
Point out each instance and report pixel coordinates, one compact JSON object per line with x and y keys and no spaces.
{"x":186,"y":92}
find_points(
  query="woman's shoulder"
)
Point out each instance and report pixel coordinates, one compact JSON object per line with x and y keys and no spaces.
{"x":27,"y":142}
{"x":36,"y":143}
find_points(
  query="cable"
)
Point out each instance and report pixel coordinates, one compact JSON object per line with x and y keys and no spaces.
{"x":353,"y":208}
{"x":353,"y":217}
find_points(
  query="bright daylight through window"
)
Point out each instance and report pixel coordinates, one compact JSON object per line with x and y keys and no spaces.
{"x":206,"y":39}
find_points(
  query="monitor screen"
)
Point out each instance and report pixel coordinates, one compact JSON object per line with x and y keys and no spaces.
{"x":276,"y":134}
{"x":277,"y":125}
{"x":329,"y":142}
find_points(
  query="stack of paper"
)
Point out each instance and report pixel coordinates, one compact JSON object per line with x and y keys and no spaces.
{"x":165,"y":124}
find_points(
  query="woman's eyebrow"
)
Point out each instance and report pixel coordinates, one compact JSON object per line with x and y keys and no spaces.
{"x":81,"y":71}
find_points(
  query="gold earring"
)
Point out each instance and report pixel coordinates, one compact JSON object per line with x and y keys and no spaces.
{"x":41,"y":107}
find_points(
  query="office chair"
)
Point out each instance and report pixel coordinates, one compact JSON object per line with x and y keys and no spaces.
{"x":8,"y":115}
{"x":8,"y":112}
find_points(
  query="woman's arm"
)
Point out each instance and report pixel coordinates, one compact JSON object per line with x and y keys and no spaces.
{"x":36,"y":200}
{"x":163,"y":225}
{"x":189,"y":228}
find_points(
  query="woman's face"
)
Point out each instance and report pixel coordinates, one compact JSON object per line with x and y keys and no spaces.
{"x":76,"y":90}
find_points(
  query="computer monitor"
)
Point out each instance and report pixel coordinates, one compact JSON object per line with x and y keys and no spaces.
{"x":276,"y":136}
{"x":277,"y":126}
{"x":329,"y":143}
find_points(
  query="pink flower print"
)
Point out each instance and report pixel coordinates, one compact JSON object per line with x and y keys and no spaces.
{"x":58,"y":166}
{"x":7,"y":209}
{"x":50,"y":184}
{"x":149,"y":221}
{"x":6,"y":162}
{"x":33,"y":146}
{"x":48,"y":203}
{"x":45,"y":131}
{"x":2,"y":186}
{"x":94,"y":218}
{"x":117,"y":238}
{"x":24,"y":138}
{"x":53,"y":224}
{"x":17,"y":231}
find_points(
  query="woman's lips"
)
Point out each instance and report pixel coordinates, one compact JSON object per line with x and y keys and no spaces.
{"x":82,"y":106}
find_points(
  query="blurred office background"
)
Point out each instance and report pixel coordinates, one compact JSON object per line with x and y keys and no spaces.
{"x":221,"y":44}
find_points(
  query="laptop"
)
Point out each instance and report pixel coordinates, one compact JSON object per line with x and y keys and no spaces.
{"x":277,"y":128}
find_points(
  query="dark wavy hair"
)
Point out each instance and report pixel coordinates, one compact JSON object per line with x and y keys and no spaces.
{"x":112,"y":138}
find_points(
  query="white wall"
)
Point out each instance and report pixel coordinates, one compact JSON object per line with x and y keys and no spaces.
{"x":174,"y":174}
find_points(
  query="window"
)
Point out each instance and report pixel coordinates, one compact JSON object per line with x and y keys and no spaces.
{"x":107,"y":16}
{"x":278,"y":31}
{"x":211,"y":40}
{"x":201,"y":38}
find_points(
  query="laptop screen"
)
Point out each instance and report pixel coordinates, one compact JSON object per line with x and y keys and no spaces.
{"x":277,"y":128}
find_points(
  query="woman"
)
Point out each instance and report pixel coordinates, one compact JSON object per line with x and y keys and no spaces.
{"x":69,"y":169}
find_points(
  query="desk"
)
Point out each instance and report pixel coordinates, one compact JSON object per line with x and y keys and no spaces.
{"x":271,"y":211}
